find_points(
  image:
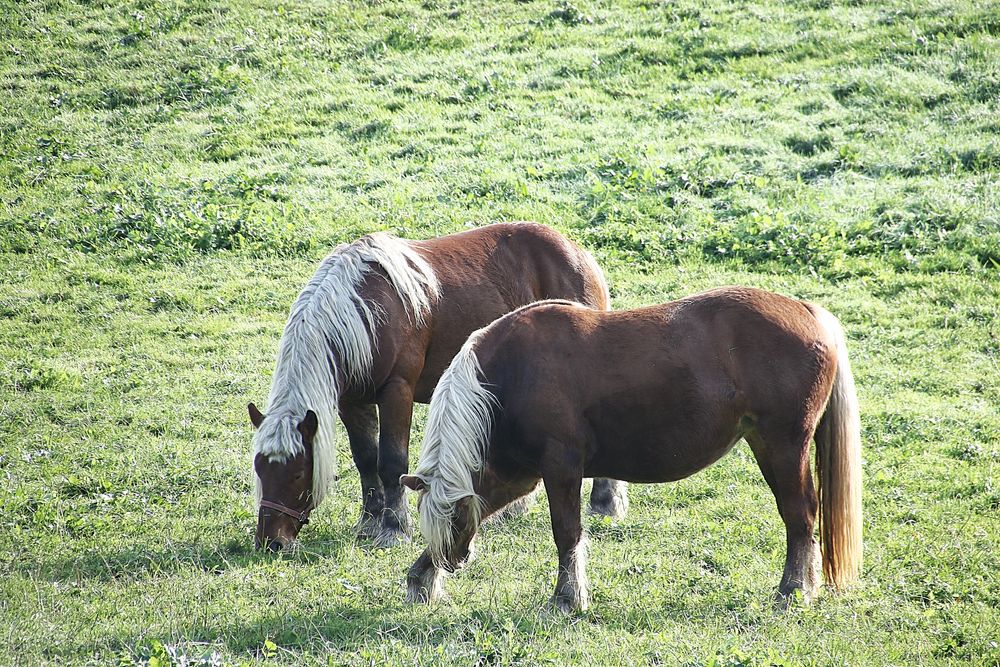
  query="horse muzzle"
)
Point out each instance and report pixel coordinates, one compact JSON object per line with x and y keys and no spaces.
{"x":278,"y":525}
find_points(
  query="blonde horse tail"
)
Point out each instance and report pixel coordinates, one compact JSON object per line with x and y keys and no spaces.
{"x":838,"y":466}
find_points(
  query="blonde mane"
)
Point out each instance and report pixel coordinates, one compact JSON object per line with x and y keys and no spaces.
{"x":329,"y":333}
{"x":459,"y":425}
{"x":458,"y":431}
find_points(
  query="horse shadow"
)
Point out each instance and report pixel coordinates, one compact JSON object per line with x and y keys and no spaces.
{"x":137,"y":561}
{"x":373,"y":612}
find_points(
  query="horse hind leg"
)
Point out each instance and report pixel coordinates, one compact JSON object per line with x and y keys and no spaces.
{"x":609,"y":497}
{"x":783,"y":459}
{"x":515,"y":508}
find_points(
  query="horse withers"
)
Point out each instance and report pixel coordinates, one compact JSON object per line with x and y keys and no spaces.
{"x":371,"y":333}
{"x":557,"y":392}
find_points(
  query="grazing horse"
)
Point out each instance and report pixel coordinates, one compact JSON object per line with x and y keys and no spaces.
{"x":374,"y":328}
{"x":558,"y":392}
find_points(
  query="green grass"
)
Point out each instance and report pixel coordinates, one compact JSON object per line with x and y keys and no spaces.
{"x":171,"y":171}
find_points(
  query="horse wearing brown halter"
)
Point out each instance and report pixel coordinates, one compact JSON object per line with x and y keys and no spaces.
{"x":556,"y":392}
{"x":370,"y":334}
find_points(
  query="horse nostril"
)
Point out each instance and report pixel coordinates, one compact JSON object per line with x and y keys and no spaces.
{"x":268,"y":544}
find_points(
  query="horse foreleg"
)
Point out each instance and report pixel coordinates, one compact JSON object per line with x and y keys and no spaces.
{"x":609,"y":497}
{"x":784,"y":461}
{"x":361,"y":423}
{"x":424,"y":581}
{"x":563,"y":490}
{"x":505,"y":498}
{"x":395,"y":408}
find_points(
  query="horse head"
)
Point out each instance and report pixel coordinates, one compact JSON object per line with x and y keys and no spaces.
{"x":450,"y":536}
{"x":286,"y":487}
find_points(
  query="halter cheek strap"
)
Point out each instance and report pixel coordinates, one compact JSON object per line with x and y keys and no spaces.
{"x":302,"y":517}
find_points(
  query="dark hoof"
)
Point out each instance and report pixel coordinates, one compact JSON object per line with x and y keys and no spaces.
{"x":609,"y":498}
{"x":565,"y":606}
{"x":425,"y":588}
{"x":368,"y":526}
{"x":615,"y":508}
{"x":387,"y":538}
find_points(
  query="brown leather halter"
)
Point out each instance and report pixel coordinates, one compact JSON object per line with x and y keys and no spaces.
{"x":302,"y":517}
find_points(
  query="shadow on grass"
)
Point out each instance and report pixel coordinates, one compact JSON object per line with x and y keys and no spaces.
{"x":132,"y":562}
{"x":360,"y":622}
{"x":341,"y":626}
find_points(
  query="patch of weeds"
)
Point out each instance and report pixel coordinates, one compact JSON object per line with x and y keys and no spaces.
{"x":418,"y":152}
{"x":980,"y":160}
{"x":569,"y":14}
{"x":927,"y":227}
{"x":158,"y":654}
{"x":239,"y":212}
{"x":620,"y":172}
{"x":166,"y":300}
{"x":622,"y":241}
{"x":371,"y":130}
{"x":971,"y":451}
{"x":495,"y":187}
{"x":406,"y":38}
{"x":772,"y":237}
{"x":502,"y":644}
{"x":74,"y":487}
{"x":198,"y":87}
{"x":38,"y":374}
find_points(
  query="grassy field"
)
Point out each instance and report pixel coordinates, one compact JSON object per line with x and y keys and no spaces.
{"x":171,"y":171}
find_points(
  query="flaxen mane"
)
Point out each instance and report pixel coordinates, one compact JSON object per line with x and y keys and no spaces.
{"x":459,"y":422}
{"x":329,"y":333}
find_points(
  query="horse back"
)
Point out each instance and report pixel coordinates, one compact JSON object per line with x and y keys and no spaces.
{"x":512,"y":264}
{"x":483,"y":274}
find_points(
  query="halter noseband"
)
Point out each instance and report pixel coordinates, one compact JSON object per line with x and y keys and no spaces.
{"x":302,"y":517}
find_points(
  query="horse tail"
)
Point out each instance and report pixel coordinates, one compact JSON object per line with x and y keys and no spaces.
{"x":459,"y":424}
{"x":838,"y":466}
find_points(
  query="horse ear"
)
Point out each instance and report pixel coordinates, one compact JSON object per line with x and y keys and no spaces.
{"x":309,"y":426}
{"x":256,"y":418}
{"x":413,"y":482}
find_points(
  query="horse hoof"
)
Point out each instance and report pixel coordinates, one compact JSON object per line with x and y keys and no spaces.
{"x":368,"y":526}
{"x":388,"y":538}
{"x":426,"y":589}
{"x":612,"y":511}
{"x":795,"y":597}
{"x":616,"y":508}
{"x":564,"y":606}
{"x":609,"y":498}
{"x":417,"y":594}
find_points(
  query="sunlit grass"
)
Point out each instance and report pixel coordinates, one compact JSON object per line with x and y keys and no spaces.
{"x":171,"y":172}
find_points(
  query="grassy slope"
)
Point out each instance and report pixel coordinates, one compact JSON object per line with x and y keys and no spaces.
{"x":171,"y":171}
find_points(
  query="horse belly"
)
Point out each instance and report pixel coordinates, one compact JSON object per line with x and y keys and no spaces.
{"x":663,"y":445}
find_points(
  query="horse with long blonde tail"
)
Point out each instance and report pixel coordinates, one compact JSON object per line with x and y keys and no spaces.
{"x":557,"y":392}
